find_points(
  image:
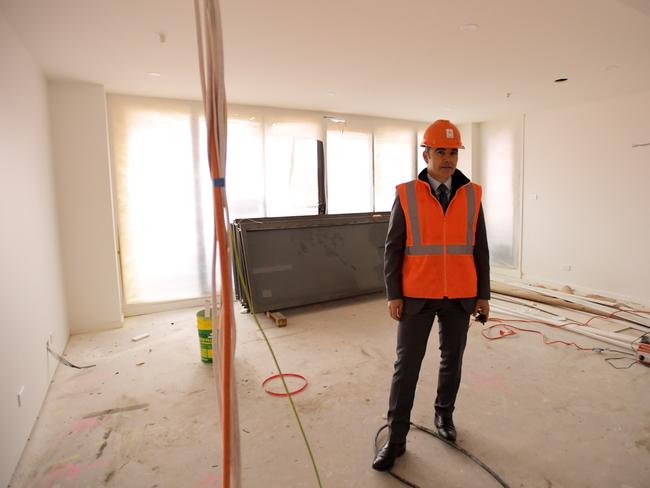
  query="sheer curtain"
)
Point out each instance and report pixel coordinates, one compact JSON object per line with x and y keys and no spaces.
{"x":291,"y":166}
{"x":349,"y":168}
{"x":245,"y":169}
{"x":272,"y":163}
{"x":162,"y":199}
{"x":500,"y":171}
{"x":394,"y":163}
{"x":162,"y":182}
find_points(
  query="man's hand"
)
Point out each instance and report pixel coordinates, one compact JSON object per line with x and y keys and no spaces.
{"x":482,"y":307}
{"x":395,"y":308}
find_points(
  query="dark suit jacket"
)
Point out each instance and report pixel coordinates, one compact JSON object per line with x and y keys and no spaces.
{"x":396,"y":242}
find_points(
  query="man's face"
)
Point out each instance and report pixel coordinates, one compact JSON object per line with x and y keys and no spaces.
{"x":441,"y":162}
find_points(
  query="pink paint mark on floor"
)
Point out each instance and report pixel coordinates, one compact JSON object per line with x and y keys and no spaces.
{"x":88,"y":424}
{"x":209,"y":481}
{"x":69,"y":471}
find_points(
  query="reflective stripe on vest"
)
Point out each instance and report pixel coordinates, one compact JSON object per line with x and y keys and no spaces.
{"x":419,"y":249}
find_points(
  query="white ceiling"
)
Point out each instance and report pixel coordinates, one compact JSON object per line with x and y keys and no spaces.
{"x":405,"y":59}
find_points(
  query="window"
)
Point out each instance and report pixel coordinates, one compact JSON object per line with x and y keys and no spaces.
{"x":245,"y":166}
{"x":501,"y":159}
{"x":164,"y":191}
{"x":291,"y":169}
{"x":349,"y":170}
{"x":162,"y":185}
{"x":394,"y":159}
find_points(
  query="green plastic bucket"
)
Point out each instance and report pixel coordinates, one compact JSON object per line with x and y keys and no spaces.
{"x":205,"y":335}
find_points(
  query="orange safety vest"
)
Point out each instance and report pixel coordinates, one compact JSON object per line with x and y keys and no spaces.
{"x":439,"y":253}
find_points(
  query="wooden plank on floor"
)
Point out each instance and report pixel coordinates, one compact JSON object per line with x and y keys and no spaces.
{"x":279,"y":318}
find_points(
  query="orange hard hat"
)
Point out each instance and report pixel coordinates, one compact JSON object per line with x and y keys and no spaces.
{"x":442,"y":133}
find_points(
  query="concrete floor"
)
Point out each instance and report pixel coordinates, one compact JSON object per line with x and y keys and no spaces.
{"x":540,"y":416}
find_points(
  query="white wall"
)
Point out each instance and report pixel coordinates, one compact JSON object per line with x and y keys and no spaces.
{"x":86,"y":220}
{"x":31,"y":283}
{"x":593,"y":196}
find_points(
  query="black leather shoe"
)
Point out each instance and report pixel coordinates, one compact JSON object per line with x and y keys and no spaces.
{"x":386,"y":456}
{"x":445,"y":426}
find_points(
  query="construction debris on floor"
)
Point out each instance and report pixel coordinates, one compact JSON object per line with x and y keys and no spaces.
{"x":538,"y":415}
{"x":624,"y":326}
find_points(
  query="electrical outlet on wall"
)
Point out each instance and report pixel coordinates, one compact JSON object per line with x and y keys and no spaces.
{"x":566,"y":267}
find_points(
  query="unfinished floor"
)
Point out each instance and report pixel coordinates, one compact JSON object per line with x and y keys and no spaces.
{"x":540,"y":416}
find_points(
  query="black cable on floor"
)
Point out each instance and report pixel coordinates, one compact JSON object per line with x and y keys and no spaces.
{"x":390,"y":471}
{"x":452,"y":444}
{"x":65,"y":361}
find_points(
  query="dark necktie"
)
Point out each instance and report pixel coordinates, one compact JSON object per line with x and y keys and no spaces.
{"x":443,"y":197}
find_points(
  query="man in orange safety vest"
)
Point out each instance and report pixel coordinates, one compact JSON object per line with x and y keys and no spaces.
{"x":436,"y":264}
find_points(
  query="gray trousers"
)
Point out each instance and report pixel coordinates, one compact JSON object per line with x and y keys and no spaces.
{"x":412,"y":335}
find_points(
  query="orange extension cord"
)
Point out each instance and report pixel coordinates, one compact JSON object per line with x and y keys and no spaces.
{"x":510,"y":330}
{"x":507,"y":329}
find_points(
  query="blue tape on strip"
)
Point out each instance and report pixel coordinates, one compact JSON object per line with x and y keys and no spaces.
{"x":219,"y":182}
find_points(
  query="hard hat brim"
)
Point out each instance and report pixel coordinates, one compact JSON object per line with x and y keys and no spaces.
{"x":451,"y":147}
